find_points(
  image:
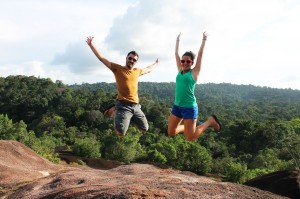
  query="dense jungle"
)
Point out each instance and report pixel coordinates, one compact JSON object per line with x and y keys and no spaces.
{"x":260,"y":125}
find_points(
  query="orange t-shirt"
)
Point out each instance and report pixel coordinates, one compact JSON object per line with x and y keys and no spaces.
{"x":127,"y":82}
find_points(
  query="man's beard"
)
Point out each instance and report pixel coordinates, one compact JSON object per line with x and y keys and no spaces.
{"x":129,"y":66}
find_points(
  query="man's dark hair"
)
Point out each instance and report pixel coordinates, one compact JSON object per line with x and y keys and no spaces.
{"x":189,"y":54}
{"x":134,"y":53}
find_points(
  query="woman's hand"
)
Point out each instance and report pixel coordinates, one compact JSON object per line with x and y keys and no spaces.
{"x":205,"y":34}
{"x":178,"y":37}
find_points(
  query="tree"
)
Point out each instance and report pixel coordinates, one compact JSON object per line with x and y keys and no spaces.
{"x":165,"y":152}
{"x":156,"y":156}
{"x":87,"y":147}
{"x":125,"y":149}
{"x":295,"y":124}
{"x":236,"y":172}
{"x":5,"y":128}
{"x":191,"y":156}
{"x":268,"y":159}
{"x":198,"y":159}
{"x":51,"y":124}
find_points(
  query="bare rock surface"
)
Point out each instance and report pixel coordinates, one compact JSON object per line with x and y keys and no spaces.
{"x":22,"y":177}
{"x":19,"y":164}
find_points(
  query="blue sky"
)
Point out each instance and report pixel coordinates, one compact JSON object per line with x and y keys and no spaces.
{"x":250,"y":41}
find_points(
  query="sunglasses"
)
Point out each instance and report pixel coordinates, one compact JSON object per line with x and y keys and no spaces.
{"x":130,"y":58}
{"x":187,"y":61}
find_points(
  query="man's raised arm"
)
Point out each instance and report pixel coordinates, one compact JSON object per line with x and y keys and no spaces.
{"x":148,"y":69}
{"x":89,"y":41}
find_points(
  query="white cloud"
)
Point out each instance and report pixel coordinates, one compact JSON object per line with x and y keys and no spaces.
{"x":32,"y":68}
{"x":251,"y":41}
{"x":9,"y":31}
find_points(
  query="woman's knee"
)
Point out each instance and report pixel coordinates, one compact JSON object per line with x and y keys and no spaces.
{"x":171,"y":133}
{"x":190,"y":138}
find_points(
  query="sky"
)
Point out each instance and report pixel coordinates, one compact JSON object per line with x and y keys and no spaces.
{"x":250,"y":42}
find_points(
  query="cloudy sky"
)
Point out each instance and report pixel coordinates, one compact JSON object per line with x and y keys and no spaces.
{"x":250,"y":41}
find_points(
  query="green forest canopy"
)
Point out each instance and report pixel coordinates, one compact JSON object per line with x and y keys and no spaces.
{"x":261,"y":125}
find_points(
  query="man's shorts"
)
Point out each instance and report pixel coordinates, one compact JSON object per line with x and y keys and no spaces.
{"x":126,"y":112}
{"x":185,"y":113}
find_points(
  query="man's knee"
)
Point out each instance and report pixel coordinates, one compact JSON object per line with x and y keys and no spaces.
{"x":120,"y":130}
{"x":145,"y":128}
{"x":120,"y":134}
{"x":142,"y":126}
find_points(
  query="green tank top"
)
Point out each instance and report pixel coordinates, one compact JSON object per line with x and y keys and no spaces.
{"x":184,"y":92}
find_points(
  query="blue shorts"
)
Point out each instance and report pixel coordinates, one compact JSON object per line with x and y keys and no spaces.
{"x":185,"y":113}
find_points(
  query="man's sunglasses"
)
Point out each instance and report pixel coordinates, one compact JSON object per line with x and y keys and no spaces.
{"x":187,"y":61}
{"x":130,"y":58}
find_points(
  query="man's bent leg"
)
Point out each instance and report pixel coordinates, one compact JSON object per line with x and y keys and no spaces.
{"x":110,"y":111}
{"x":139,"y":118}
{"x":123,"y":115}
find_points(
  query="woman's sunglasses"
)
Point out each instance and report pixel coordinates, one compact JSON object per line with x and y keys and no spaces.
{"x":187,"y":61}
{"x":130,"y":58}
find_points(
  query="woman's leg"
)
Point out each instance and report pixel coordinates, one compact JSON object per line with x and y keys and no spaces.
{"x":174,"y":126}
{"x":190,"y":129}
{"x":191,"y":132}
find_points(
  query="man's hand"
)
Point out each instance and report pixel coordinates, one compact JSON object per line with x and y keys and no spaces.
{"x":157,"y":61}
{"x":89,"y":40}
